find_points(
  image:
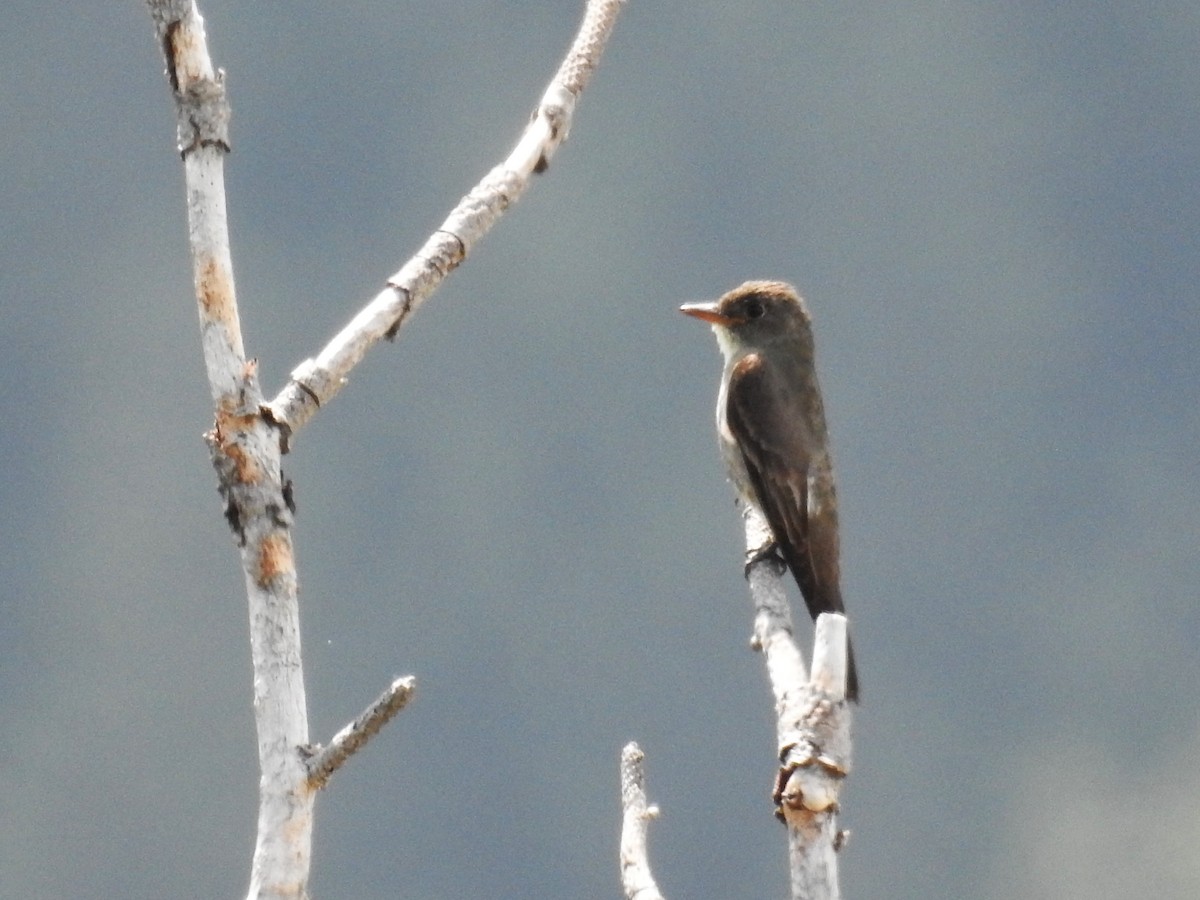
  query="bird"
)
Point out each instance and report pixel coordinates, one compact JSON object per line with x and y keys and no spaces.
{"x":772,"y":434}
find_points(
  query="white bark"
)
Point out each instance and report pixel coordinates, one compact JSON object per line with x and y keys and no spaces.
{"x":316,"y":381}
{"x":246,"y":453}
{"x":636,"y":878}
{"x":325,"y":761}
{"x":813,"y":728}
{"x":248,"y":438}
{"x":812,"y":722}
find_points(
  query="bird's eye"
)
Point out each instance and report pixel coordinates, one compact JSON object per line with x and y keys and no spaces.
{"x":754,"y":309}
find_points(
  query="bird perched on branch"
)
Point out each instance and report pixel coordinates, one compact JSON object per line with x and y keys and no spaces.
{"x":771,"y":430}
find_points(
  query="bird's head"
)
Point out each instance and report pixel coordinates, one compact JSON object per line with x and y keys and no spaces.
{"x":754,"y":315}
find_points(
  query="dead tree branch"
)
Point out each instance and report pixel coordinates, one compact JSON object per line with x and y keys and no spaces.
{"x":636,"y":878}
{"x":324,"y":761}
{"x":249,"y":435}
{"x":316,"y":381}
{"x":812,"y":721}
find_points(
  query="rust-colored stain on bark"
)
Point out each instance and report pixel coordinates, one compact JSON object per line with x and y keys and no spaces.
{"x":231,"y":421}
{"x":274,"y":558}
{"x":214,"y":289}
{"x":183,"y":48}
{"x":243,"y":462}
{"x":229,"y":426}
{"x":805,"y":821}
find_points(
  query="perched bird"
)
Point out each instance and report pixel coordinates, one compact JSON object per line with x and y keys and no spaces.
{"x":771,"y":430}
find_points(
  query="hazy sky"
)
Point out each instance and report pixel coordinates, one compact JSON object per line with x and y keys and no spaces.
{"x":992,"y":211}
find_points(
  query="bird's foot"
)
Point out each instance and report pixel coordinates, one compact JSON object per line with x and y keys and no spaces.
{"x":764,"y":552}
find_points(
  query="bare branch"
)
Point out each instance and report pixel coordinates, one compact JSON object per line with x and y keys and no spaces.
{"x":246,"y":454}
{"x":830,"y":664}
{"x":327,"y":760}
{"x":249,"y":436}
{"x":812,"y":721}
{"x":202,"y":131}
{"x":316,"y":381}
{"x":636,"y":878}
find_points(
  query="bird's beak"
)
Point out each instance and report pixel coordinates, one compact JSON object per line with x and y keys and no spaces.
{"x":707,"y":312}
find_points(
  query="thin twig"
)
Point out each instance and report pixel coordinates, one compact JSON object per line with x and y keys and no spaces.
{"x":316,"y":381}
{"x":327,"y":760}
{"x":636,"y":878}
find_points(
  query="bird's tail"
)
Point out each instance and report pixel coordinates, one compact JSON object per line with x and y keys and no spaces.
{"x":851,"y":674}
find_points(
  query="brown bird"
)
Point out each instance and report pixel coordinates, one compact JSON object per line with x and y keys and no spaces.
{"x":771,"y":430}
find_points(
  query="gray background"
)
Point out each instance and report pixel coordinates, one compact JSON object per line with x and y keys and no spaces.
{"x":992,"y":209}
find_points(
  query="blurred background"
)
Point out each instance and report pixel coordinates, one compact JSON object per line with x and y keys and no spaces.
{"x":992,"y":210}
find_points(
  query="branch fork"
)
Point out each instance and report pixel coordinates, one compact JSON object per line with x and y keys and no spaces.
{"x":250,"y":435}
{"x":322,"y":762}
{"x":316,"y":381}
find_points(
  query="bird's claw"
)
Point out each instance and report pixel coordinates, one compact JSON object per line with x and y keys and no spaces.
{"x":768,"y":551}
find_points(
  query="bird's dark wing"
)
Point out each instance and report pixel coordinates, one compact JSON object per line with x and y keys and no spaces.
{"x":780,"y":431}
